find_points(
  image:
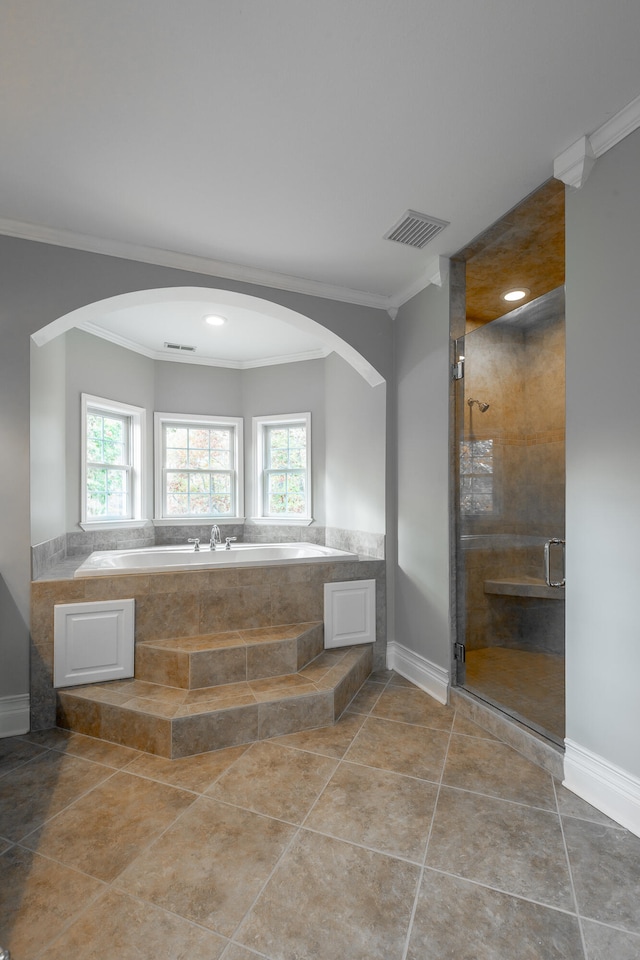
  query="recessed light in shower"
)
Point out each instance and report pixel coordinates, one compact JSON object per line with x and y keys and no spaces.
{"x":511,"y":296}
{"x":214,"y":319}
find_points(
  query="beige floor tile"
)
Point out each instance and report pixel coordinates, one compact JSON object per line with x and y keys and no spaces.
{"x":14,"y":752}
{"x":235,"y":952}
{"x":607,"y":943}
{"x":401,"y":747}
{"x":275,"y":780}
{"x":41,"y":788}
{"x":351,"y":805}
{"x":133,"y":811}
{"x":605,"y":863}
{"x":467,"y":728}
{"x":512,"y":847}
{"x":37,"y":898}
{"x":100,"y":751}
{"x":571,"y":805}
{"x":331,"y":741}
{"x":410,"y":705}
{"x":210,"y":866}
{"x":117,"y":926}
{"x":190,"y":773}
{"x":465,"y":921}
{"x":493,"y":768}
{"x":366,"y":698}
{"x":328,"y":900}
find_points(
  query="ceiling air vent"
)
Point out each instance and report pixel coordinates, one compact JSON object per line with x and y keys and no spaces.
{"x":416,"y":229}
{"x":179,"y":346}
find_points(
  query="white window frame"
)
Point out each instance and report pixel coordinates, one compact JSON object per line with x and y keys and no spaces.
{"x":260,"y":426}
{"x":197,"y":419}
{"x":136,"y":417}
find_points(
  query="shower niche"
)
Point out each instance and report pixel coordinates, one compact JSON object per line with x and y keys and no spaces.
{"x":510,"y":455}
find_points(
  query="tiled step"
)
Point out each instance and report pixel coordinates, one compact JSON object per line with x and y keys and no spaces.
{"x":177,"y":722}
{"x":232,"y":657}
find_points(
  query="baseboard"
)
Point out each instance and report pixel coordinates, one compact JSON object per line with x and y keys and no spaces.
{"x":425,"y":674}
{"x":14,"y":715}
{"x":602,"y":784}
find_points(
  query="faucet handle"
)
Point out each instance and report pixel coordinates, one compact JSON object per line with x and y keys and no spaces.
{"x":229,"y":541}
{"x":195,"y":540}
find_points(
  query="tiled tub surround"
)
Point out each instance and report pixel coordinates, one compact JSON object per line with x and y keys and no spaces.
{"x":194,"y":604}
{"x":46,"y":557}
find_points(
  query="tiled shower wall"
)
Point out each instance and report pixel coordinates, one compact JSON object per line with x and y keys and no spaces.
{"x":517,"y":367}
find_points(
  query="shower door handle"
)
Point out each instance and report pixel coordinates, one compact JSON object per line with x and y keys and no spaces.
{"x":547,"y":563}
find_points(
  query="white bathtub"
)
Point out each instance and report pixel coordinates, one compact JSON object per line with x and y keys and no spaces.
{"x":162,"y":559}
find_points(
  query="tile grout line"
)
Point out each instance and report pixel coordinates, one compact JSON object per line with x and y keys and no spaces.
{"x":570,"y":871}
{"x":282,"y":856}
{"x":426,"y":849}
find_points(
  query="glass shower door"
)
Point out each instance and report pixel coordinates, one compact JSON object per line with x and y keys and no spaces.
{"x":510,"y":455}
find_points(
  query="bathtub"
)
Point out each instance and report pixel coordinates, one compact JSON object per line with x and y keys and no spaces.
{"x":161,"y":559}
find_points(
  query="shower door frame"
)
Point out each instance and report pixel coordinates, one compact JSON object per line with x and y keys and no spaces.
{"x":458,"y":605}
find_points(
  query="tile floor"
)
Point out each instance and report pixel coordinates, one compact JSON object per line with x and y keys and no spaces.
{"x":405,"y":832}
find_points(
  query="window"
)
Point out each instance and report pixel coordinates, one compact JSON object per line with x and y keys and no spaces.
{"x":111,"y":461}
{"x":476,"y":477}
{"x":283,"y":448}
{"x":198,"y":467}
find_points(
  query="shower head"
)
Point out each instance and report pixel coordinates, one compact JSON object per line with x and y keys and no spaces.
{"x":482,"y":407}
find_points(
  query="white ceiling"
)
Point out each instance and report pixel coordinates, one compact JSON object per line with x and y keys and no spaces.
{"x":248,"y":338}
{"x":284,"y":138}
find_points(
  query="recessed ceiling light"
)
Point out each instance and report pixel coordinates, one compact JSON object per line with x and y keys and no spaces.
{"x":215,"y":320}
{"x":513,"y":295}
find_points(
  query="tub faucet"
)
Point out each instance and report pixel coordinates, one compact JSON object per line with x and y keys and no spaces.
{"x":215,"y":539}
{"x":229,"y":541}
{"x":195,"y":540}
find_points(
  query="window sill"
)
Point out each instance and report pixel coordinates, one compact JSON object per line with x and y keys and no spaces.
{"x":282,"y":521}
{"x":195,"y":521}
{"x":88,"y":525}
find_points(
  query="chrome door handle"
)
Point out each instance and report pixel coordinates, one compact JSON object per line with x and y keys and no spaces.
{"x":547,"y":563}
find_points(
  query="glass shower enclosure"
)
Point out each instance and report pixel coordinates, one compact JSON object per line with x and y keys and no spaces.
{"x":510,"y":452}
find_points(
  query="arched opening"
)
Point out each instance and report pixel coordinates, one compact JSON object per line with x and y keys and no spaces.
{"x":97,"y":350}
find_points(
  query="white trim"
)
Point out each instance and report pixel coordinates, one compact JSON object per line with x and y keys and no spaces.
{"x":137,"y":440}
{"x":158,"y":465}
{"x":185,"y":261}
{"x":617,"y":128}
{"x":94,"y":311}
{"x":195,"y":521}
{"x":14,"y":715}
{"x":280,"y":521}
{"x":431,"y":678}
{"x":176,"y":357}
{"x":574,"y":164}
{"x":259,"y":425}
{"x":605,"y":786}
{"x":115,"y":525}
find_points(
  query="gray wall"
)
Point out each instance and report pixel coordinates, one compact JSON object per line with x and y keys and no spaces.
{"x":603,"y":458}
{"x":422,"y":576}
{"x":105,"y":370}
{"x":48,"y":440}
{"x":38,"y":284}
{"x":356,"y":439}
{"x":287,"y":388}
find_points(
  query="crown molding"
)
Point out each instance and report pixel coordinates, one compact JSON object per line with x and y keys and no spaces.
{"x":574,"y":164}
{"x":120,"y":341}
{"x":190,"y":263}
{"x":437,"y":272}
